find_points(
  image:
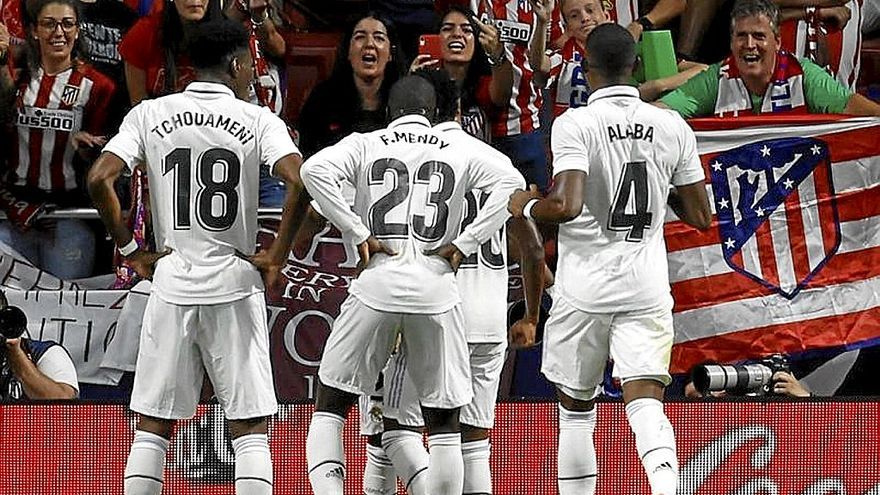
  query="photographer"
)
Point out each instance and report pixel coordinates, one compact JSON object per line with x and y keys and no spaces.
{"x":32,"y":369}
{"x":770,"y":376}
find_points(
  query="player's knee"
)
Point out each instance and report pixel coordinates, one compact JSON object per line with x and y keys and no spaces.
{"x":473,"y":433}
{"x":241,"y":427}
{"x":441,"y":420}
{"x":575,"y":405}
{"x":333,"y":400}
{"x":390,"y":424}
{"x":156,"y":426}
{"x":642,"y":388}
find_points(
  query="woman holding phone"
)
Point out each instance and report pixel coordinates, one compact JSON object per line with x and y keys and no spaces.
{"x":481,"y":69}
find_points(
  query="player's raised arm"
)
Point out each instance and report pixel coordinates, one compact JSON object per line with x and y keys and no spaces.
{"x":566,"y":200}
{"x":494,"y":173}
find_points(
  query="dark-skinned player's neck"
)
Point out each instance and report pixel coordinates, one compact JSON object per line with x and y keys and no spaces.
{"x":216,"y":77}
{"x":601,"y":82}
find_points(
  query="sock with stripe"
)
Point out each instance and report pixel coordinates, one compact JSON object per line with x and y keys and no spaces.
{"x":145,"y":469}
{"x":407,"y":452}
{"x":445,"y":464}
{"x":477,"y":475}
{"x":253,"y":465}
{"x":655,"y":442}
{"x":324,"y":454}
{"x":379,"y":477}
{"x":576,"y":458}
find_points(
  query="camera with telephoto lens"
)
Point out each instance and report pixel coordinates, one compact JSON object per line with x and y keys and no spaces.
{"x":13,"y":321}
{"x":739,"y":379}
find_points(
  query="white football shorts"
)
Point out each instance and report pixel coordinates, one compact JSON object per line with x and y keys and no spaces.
{"x":577,"y":346}
{"x":178,"y":344}
{"x":362,"y":340}
{"x":486,"y":363}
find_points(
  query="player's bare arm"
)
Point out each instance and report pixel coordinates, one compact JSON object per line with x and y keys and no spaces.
{"x":691,"y":204}
{"x":524,"y":234}
{"x":36,"y":384}
{"x":563,"y":204}
{"x":296,"y":202}
{"x":450,"y":253}
{"x":100,"y":181}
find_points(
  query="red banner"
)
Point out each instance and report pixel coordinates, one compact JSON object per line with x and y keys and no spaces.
{"x":730,"y":448}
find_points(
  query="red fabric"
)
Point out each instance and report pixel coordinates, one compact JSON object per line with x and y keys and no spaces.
{"x":142,"y":48}
{"x":11,"y":16}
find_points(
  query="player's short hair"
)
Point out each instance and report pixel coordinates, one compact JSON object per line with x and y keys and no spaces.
{"x":611,"y":51}
{"x":754,"y":8}
{"x":412,"y":95}
{"x":212,"y":43}
{"x":445,"y":90}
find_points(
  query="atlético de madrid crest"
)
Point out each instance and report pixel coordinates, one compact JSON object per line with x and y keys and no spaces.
{"x":69,"y":94}
{"x":777,"y":211}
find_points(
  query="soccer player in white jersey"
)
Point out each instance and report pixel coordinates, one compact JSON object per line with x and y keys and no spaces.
{"x":614,"y":161}
{"x":482,"y":280}
{"x":207,"y":310}
{"x":410,"y":183}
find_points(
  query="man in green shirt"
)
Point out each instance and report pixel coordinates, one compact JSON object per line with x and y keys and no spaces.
{"x":759,"y":77}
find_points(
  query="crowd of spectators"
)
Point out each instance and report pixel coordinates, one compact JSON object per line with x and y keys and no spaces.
{"x":74,"y":67}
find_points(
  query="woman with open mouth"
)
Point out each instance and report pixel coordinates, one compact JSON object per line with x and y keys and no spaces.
{"x":481,"y":70}
{"x":353,"y":98}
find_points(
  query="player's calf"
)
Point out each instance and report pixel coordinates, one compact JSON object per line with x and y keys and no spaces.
{"x":475,"y":452}
{"x":324,"y":452}
{"x":655,"y":438}
{"x":446,"y":472}
{"x":576,"y":458}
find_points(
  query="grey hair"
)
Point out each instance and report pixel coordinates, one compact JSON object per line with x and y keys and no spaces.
{"x":754,"y":8}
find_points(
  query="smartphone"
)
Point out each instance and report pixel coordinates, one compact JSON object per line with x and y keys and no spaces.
{"x":430,"y":44}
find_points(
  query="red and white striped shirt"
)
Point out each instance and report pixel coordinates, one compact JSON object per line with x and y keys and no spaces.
{"x":623,"y":12}
{"x":516,"y":23}
{"x":844,"y":47}
{"x":49,"y":110}
{"x":567,"y":80}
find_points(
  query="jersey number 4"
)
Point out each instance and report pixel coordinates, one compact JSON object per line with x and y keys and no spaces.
{"x":179,"y":162}
{"x":436,"y":201}
{"x":629,"y":212}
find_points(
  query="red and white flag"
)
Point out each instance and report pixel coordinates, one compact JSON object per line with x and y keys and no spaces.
{"x":792,"y":260}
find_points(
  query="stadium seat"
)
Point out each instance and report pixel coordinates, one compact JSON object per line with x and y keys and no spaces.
{"x":310,"y":58}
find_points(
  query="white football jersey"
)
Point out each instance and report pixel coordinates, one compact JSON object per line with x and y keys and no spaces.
{"x":203,"y":149}
{"x":482,"y":277}
{"x":612,"y":257}
{"x":410,"y":182}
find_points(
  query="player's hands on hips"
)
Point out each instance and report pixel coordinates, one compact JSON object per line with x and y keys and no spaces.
{"x":269,"y":265}
{"x":368,"y":248}
{"x":786,"y":384}
{"x":450,"y":253}
{"x":143,"y":262}
{"x":522,"y":334}
{"x":519,"y":198}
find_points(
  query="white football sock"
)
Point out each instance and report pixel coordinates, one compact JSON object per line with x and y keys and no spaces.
{"x":145,"y":469}
{"x":655,"y":442}
{"x":407,"y":452}
{"x":445,"y":464}
{"x":324,"y":454}
{"x":477,"y":475}
{"x":379,"y":477}
{"x":576,"y":457}
{"x":253,"y":465}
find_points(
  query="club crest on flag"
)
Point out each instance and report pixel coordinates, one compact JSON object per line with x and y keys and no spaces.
{"x":69,"y":94}
{"x":776,"y":211}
